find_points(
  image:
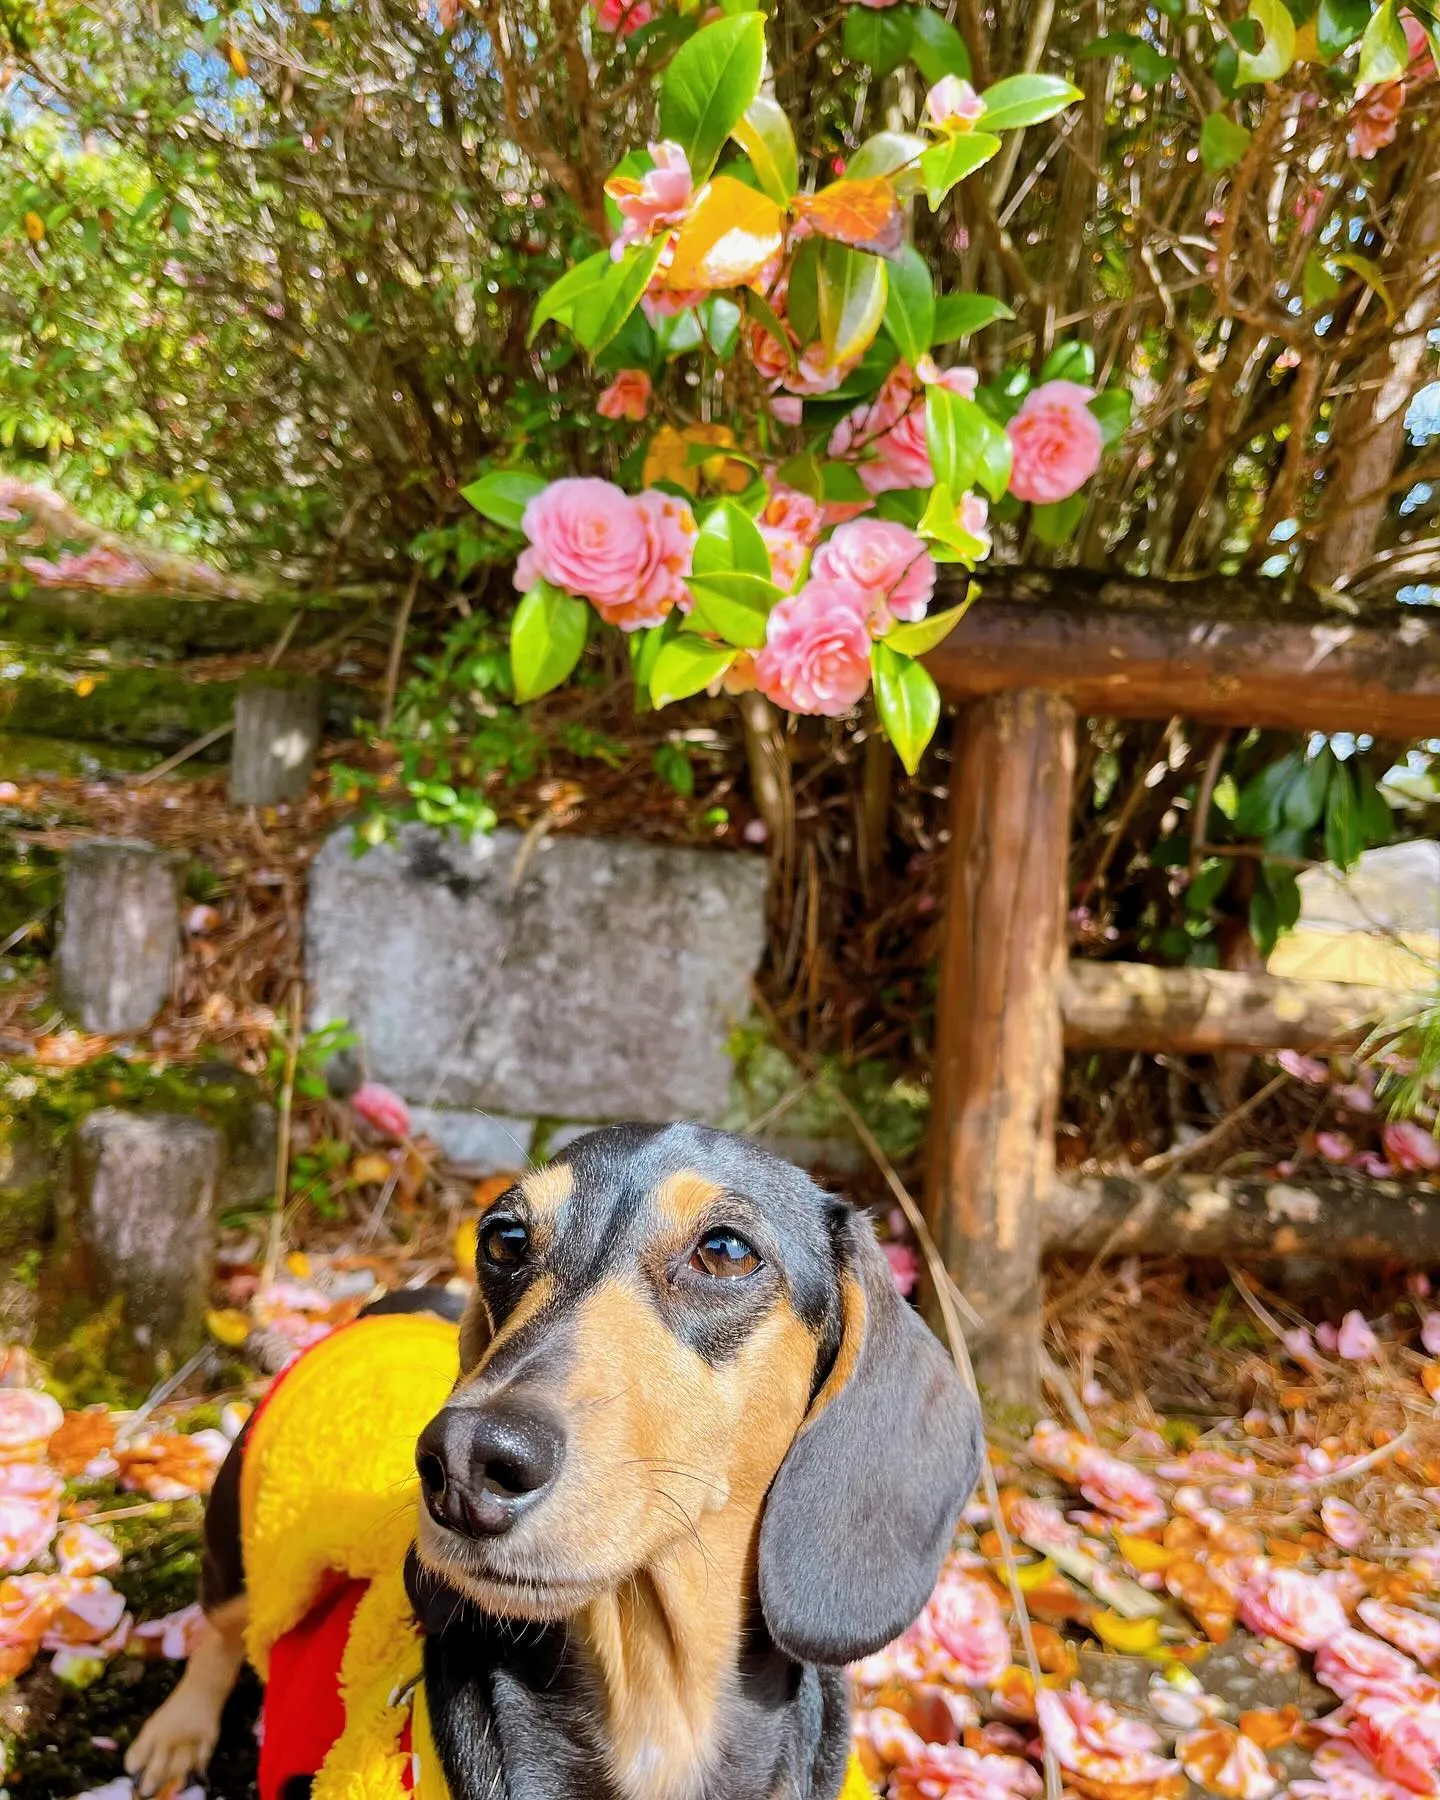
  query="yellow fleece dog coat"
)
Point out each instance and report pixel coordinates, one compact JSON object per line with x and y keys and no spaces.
{"x":328,"y":1493}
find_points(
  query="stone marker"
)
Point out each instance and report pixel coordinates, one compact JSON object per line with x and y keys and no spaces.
{"x":119,"y":934}
{"x":277,"y":732}
{"x":137,"y":1232}
{"x":602,"y":985}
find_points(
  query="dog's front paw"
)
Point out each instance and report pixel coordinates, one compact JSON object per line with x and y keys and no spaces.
{"x":175,"y":1742}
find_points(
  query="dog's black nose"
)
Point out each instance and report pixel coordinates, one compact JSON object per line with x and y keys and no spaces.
{"x":481,"y":1468}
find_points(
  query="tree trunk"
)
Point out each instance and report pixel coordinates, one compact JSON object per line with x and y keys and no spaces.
{"x":1205,"y":1012}
{"x":277,"y":732}
{"x":997,"y":1063}
{"x":120,"y":930}
{"x":1333,"y":1216}
{"x":137,"y":1235}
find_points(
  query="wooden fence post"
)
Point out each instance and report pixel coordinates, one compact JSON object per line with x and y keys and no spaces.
{"x":998,"y":1048}
{"x":119,"y":933}
{"x":277,"y":732}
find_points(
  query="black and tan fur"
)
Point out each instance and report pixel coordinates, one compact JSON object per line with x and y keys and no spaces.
{"x":710,"y":1491}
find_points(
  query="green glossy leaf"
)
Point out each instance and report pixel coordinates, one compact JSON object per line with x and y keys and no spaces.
{"x":951,"y":160}
{"x":547,"y":636}
{"x":733,"y":606}
{"x":1257,"y":813}
{"x":936,"y":47}
{"x":1304,"y":799}
{"x":921,"y":638}
{"x":729,"y":540}
{"x":842,"y":486}
{"x":1319,"y":283}
{"x":1337,"y":25}
{"x":1027,"y":100}
{"x":881,"y":40}
{"x":1148,"y":64}
{"x":802,"y":296}
{"x":560,"y":299}
{"x":765,"y":136}
{"x":959,"y":316}
{"x":1070,"y":362}
{"x":940,"y":525}
{"x":710,"y":85}
{"x":644,"y":648}
{"x":765,"y":315}
{"x":907,"y":701}
{"x":1222,"y":142}
{"x":1344,"y":835}
{"x":851,"y":291}
{"x":1278,"y":50}
{"x":910,"y":304}
{"x":503,"y":495}
{"x":687,"y":665}
{"x":893,"y":153}
{"x":1369,"y":273}
{"x":1384,"y":52}
{"x":602,"y":309}
{"x":967,"y":447}
{"x":1055,"y":523}
{"x":1376,"y":823}
{"x":1112,"y":407}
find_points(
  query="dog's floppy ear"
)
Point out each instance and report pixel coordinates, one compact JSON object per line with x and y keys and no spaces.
{"x":863,"y":1509}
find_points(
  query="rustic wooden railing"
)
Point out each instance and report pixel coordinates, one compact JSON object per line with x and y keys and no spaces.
{"x":1037,"y":650}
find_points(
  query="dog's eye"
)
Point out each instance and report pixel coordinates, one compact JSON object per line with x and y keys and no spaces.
{"x":722,"y":1253}
{"x":504,"y":1242}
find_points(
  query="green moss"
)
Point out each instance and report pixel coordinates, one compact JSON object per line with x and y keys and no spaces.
{"x":895,"y":1108}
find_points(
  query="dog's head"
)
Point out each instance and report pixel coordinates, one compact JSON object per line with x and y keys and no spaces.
{"x":678,"y":1339}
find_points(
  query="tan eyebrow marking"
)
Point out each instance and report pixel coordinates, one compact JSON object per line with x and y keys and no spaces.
{"x":546,"y":1190}
{"x":683,"y":1199}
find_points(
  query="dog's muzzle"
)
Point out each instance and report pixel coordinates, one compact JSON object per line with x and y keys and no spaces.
{"x":482,"y":1468}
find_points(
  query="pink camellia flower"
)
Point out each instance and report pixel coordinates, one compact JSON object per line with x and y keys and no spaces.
{"x":953,"y":104}
{"x":81,"y":1550}
{"x":900,"y":458}
{"x":627,"y":397}
{"x":586,"y":536}
{"x":952,"y":1772}
{"x":788,"y":509}
{"x":1222,"y":1760}
{"x":874,"y":5}
{"x":1416,"y":1633}
{"x":817,"y":650}
{"x":653,"y":201}
{"x":27,"y":1525}
{"x":1346,"y":1774}
{"x":1344,"y":1525}
{"x":788,"y":556}
{"x":1401,"y":1737}
{"x":28,"y":1420}
{"x":90,"y":1610}
{"x":1335,"y":1146}
{"x":888,"y":562}
{"x":1300,"y":1345}
{"x":1374,"y":119}
{"x":904,"y":1267}
{"x":1121,"y":1490}
{"x":623,"y":16}
{"x":882,"y":1738}
{"x":961,"y":380}
{"x":1352,"y":1662}
{"x":815,"y":372}
{"x":1355,"y":1341}
{"x":965,"y":1618}
{"x":381,"y":1109}
{"x":1056,"y":441}
{"x":1092,"y":1740}
{"x":1410,"y":1146}
{"x":658,"y":582}
{"x":1298,"y":1609}
{"x":1430,"y":1333}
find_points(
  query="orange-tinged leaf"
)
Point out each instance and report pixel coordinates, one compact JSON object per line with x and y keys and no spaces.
{"x":491,"y":1188}
{"x":1182,"y":1535}
{"x":1143,"y":1554}
{"x":990,"y":1546}
{"x":1430,"y":1379}
{"x":372,"y":1169}
{"x":463,"y":1247}
{"x":1270,"y":1729}
{"x":1055,"y":1655}
{"x":236,"y":60}
{"x":297,"y":1263}
{"x":229,"y":1327}
{"x":729,"y":235}
{"x":1130,"y":1636}
{"x":1288,"y":1553}
{"x":1015,"y":1693}
{"x":1202,"y":1595}
{"x":865,"y":214}
{"x":1223,"y":1761}
{"x":34,"y":227}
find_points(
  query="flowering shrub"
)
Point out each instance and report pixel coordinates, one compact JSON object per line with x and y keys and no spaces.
{"x":793,"y":550}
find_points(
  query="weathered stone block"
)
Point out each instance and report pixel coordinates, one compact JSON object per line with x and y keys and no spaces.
{"x":137,"y":1227}
{"x":595,"y":978}
{"x":482,"y":1143}
{"x":119,"y":933}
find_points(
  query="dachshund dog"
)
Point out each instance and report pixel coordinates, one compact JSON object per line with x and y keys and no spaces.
{"x":700,"y":1456}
